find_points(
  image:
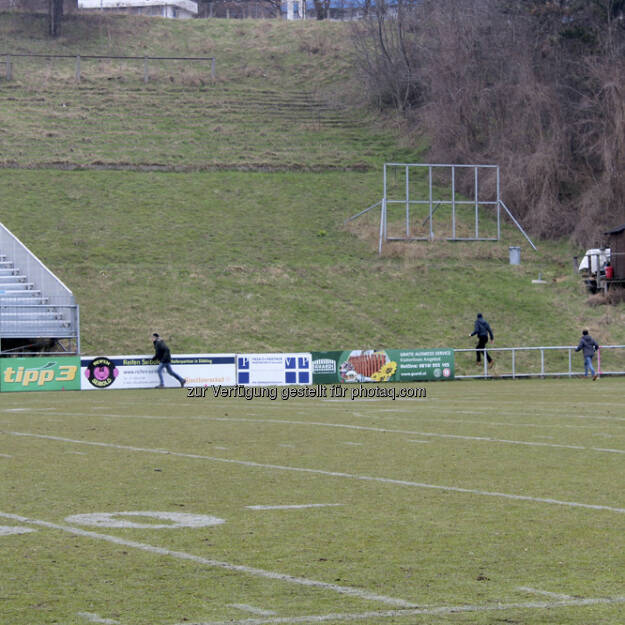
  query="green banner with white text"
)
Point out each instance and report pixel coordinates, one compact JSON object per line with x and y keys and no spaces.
{"x":390,"y":365}
{"x":40,"y":374}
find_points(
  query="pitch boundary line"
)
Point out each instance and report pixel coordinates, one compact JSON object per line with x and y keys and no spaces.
{"x":484,"y":439}
{"x":425,"y":611}
{"x":351,"y":476}
{"x":181,"y":555}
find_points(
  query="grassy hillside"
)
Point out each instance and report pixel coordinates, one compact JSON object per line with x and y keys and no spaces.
{"x":204,"y":212}
{"x":277,"y":101}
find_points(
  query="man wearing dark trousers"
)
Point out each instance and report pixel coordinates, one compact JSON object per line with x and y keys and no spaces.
{"x":163,"y":355}
{"x":483,"y":331}
{"x":590,"y":346}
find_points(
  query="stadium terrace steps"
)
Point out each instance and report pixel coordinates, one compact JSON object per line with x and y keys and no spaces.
{"x":24,"y":311}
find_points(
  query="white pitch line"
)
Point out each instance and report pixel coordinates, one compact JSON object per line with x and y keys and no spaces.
{"x":14,"y":530}
{"x":536,"y":591}
{"x":485,"y":439}
{"x":351,"y":476}
{"x":95,"y":618}
{"x":248,"y":570}
{"x":295,"y":507}
{"x":411,"y":416}
{"x":376,"y":415}
{"x":251,"y":609}
{"x":5,"y":456}
{"x":427,"y":611}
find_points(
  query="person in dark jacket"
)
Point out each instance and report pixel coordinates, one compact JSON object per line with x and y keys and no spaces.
{"x":483,"y":331}
{"x":589,"y":347}
{"x":163,"y":355}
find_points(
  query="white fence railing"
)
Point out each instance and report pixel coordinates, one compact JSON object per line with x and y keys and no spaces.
{"x":526,"y":362}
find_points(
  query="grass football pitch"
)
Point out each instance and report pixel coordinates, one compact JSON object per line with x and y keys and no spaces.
{"x":483,"y":502}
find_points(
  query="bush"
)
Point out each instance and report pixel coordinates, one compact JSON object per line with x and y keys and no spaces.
{"x":534,"y":86}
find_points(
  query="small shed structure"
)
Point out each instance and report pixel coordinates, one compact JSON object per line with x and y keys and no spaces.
{"x":616,"y":243}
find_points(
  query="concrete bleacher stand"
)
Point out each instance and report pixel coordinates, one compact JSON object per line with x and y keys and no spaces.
{"x":37,"y":311}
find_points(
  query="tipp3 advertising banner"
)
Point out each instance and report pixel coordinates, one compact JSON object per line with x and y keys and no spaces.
{"x":40,"y":374}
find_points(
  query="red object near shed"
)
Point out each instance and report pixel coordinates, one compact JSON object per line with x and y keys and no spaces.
{"x":616,"y":243}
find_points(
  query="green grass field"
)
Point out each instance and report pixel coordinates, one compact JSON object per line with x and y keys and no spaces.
{"x":213,"y":211}
{"x":482,"y":503}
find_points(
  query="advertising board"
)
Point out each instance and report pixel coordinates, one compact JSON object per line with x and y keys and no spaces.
{"x":124,"y":372}
{"x":391,"y":365}
{"x":40,"y":374}
{"x":274,"y":369}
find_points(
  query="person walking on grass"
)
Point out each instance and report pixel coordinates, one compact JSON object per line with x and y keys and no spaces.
{"x":588,"y":346}
{"x":163,"y":355}
{"x":483,"y":331}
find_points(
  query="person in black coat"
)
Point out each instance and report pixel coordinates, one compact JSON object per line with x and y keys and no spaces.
{"x":483,"y":331}
{"x":163,"y":355}
{"x":589,"y":347}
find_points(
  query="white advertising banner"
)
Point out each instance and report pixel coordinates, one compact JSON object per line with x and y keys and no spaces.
{"x":124,"y":372}
{"x":274,"y":369}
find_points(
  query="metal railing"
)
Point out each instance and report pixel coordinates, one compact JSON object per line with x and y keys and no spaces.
{"x":38,"y":320}
{"x":537,"y":362}
{"x":78,"y":58}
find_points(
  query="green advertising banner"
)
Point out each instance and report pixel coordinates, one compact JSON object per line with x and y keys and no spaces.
{"x":40,"y":374}
{"x":391,"y":365}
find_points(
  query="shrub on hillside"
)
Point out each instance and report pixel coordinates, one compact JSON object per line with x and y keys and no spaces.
{"x":534,"y":86}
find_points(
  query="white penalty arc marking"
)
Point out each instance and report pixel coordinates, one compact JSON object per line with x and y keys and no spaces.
{"x":351,"y":476}
{"x":251,"y":609}
{"x":295,"y":507}
{"x":546,"y":593}
{"x":13,"y":530}
{"x":96,"y":618}
{"x":427,"y":611}
{"x":248,"y":570}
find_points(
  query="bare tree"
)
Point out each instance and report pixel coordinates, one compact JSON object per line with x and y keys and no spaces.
{"x":55,"y":14}
{"x":322,"y":9}
{"x":533,"y":85}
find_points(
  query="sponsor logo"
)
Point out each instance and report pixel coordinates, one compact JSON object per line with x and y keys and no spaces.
{"x":101,"y":372}
{"x":324,"y":365}
{"x":39,"y":376}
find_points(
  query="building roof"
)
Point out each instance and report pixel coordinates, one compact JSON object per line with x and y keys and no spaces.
{"x":187,"y":5}
{"x":616,"y":230}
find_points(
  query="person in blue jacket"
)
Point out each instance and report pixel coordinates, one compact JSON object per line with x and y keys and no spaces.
{"x":483,"y":331}
{"x":589,"y":347}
